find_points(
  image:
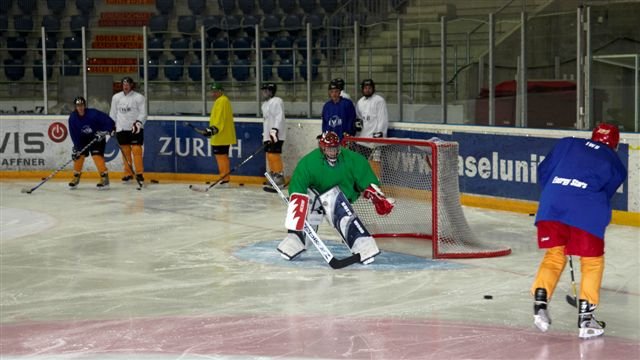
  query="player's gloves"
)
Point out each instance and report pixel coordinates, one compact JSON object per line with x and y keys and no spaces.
{"x":358,"y":124}
{"x":383,"y":205}
{"x":208,"y":132}
{"x":75,"y":155}
{"x":273,"y":135}
{"x":377,"y":134}
{"x":137,"y":127}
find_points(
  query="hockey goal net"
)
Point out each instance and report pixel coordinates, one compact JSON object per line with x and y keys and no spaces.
{"x":423,"y":178}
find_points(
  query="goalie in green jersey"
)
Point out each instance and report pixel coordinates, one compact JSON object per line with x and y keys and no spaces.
{"x":324,"y":184}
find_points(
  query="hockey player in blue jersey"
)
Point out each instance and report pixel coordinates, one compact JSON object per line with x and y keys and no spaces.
{"x":339,"y":113}
{"x":84,"y":126}
{"x":578,"y":179}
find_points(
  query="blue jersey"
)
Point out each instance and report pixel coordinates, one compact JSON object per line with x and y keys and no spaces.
{"x":339,"y":117}
{"x":82,"y":129}
{"x":578,"y":179}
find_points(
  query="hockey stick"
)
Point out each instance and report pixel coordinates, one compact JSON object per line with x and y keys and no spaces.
{"x":572,"y":300}
{"x":315,"y":239}
{"x":205,"y":189}
{"x":126,"y":160}
{"x":29,"y":191}
{"x":198,"y":130}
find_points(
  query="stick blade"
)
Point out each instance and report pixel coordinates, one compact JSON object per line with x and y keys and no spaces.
{"x":342,"y":263}
{"x":26,"y":191}
{"x":572,"y":301}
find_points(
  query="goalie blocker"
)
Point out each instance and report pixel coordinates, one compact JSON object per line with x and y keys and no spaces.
{"x":334,"y":205}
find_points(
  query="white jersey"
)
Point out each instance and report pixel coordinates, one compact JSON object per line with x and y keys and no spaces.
{"x":273,"y":114}
{"x":345,"y":95}
{"x":126,"y":109}
{"x":373,"y":112}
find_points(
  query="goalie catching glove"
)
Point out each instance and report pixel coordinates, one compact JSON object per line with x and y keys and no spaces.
{"x":383,"y":204}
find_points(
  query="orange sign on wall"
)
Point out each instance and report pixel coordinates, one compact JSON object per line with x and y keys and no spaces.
{"x":112,"y":65}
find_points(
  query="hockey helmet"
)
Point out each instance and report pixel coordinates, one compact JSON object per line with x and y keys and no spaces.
{"x":607,"y":134}
{"x":329,"y":144}
{"x":339,"y":82}
{"x":271,"y":87}
{"x":333,"y":85}
{"x":216,"y":87}
{"x":79,"y":100}
{"x":368,"y":82}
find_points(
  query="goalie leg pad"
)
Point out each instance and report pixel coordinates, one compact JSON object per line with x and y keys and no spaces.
{"x":292,"y":245}
{"x":367,"y":248}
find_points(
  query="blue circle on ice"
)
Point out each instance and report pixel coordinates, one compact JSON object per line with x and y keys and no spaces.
{"x":265,"y":252}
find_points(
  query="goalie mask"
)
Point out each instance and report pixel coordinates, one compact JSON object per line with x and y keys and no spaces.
{"x":329,"y":144}
{"x":607,"y":134}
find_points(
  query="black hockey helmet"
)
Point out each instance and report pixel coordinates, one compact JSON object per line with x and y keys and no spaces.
{"x":368,"y":82}
{"x":334,"y":85}
{"x":79,"y":100}
{"x":271,"y":87}
{"x":340,"y":83}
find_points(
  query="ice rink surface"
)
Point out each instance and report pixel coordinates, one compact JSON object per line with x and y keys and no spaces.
{"x":168,"y":273}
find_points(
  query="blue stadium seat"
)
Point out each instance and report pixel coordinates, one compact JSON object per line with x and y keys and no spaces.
{"x":51,"y":46}
{"x":84,"y":6}
{"x":195,"y":70}
{"x":241,"y":69}
{"x":164,"y":6}
{"x":152,"y":66}
{"x":271,"y":24}
{"x":219,"y":69}
{"x":227,"y":6}
{"x":288,"y":6}
{"x":267,"y":6}
{"x":248,"y":24}
{"x":315,"y":63}
{"x":77,"y":22}
{"x":231,"y":24}
{"x":4,"y":23}
{"x":196,"y":45}
{"x":187,"y":25}
{"x":247,"y":6}
{"x":23,"y":24}
{"x":266,"y":46}
{"x":5,"y":5}
{"x":197,"y":6}
{"x":242,"y":47}
{"x":284,"y":47}
{"x":308,"y":6}
{"x":267,"y":69}
{"x":329,"y":6}
{"x":72,"y":46}
{"x":155,"y":45}
{"x":293,"y":24}
{"x":51,"y":24}
{"x":70,"y":67}
{"x":301,"y":43}
{"x":37,"y":70}
{"x":221,"y":48}
{"x":27,"y":6}
{"x":174,"y":69}
{"x":158,"y":25}
{"x":17,"y":46}
{"x":14,"y":69}
{"x":56,"y":6}
{"x":316,"y":21}
{"x":212,"y":25}
{"x":285,"y":70}
{"x":180,"y":47}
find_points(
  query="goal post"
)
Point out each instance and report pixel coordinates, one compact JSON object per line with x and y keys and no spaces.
{"x":422,"y":176}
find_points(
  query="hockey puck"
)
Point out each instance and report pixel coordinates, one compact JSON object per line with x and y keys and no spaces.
{"x":532,"y":214}
{"x":155,"y":181}
{"x":241,"y":184}
{"x":488,"y":297}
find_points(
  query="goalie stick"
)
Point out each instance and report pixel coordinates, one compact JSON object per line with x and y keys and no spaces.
{"x":333,"y":262}
{"x":205,"y":189}
{"x":29,"y":191}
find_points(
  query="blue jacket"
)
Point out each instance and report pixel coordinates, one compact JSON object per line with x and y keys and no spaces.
{"x":82,"y":129}
{"x":339,"y":117}
{"x":578,"y":179}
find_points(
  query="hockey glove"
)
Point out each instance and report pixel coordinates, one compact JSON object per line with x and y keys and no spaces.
{"x":208,"y":132}
{"x":137,"y":127}
{"x":383,"y":205}
{"x":358,"y":124}
{"x":297,"y":211}
{"x":273,"y":135}
{"x":75,"y":155}
{"x":102,"y":134}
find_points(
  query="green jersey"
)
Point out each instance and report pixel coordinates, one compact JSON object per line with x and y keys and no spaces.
{"x":351,"y":173}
